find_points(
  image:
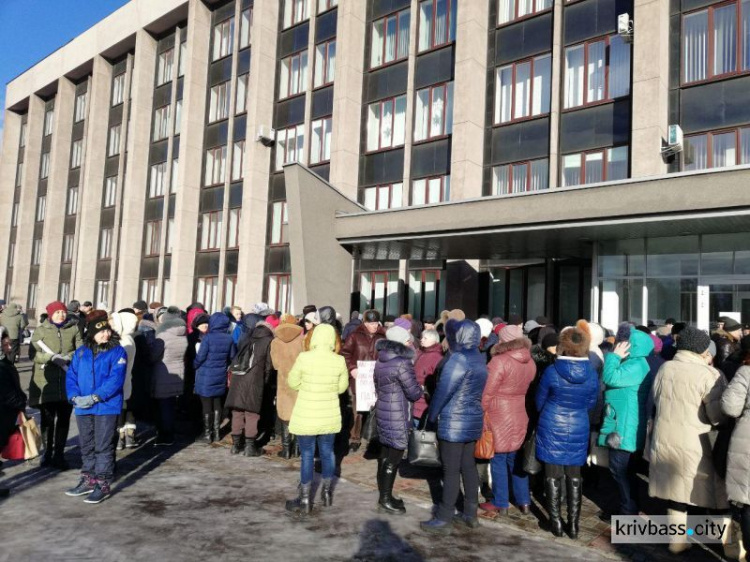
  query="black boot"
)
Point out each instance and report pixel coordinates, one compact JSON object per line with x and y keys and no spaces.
{"x":325,"y":493}
{"x":237,"y":444}
{"x":207,"y":428}
{"x":574,"y":489}
{"x":553,"y":491}
{"x":48,"y":437}
{"x":286,"y":442}
{"x":61,"y":437}
{"x":387,"y":502}
{"x":302,"y":503}
{"x":294,"y":446}
{"x":217,"y":426}
{"x":250,"y":449}
{"x":398,"y":502}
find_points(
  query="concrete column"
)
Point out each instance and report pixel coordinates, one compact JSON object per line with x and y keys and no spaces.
{"x":557,"y":92}
{"x":8,"y":166}
{"x":57,"y":186}
{"x":260,"y":107}
{"x":469,"y":100}
{"x":191,"y":152}
{"x":650,"y":62}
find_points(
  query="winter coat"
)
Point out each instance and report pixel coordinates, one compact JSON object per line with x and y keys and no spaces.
{"x":627,"y":387}
{"x":509,"y":374}
{"x":424,"y":367}
{"x":360,"y":346}
{"x":246,"y":391}
{"x":567,"y":391}
{"x":487,"y":345}
{"x":125,"y":324}
{"x":13,"y":321}
{"x":12,"y":399}
{"x":732,"y":363}
{"x":308,"y":340}
{"x":48,"y":381}
{"x":285,"y":348}
{"x":456,"y":404}
{"x":350,"y":327}
{"x":396,"y":385}
{"x":319,"y":376}
{"x":167,"y":354}
{"x":214,"y":356}
{"x":735,"y":402}
{"x":687,"y":398}
{"x":102,"y":374}
{"x":726,"y":345}
{"x":596,"y":413}
{"x":192,"y":313}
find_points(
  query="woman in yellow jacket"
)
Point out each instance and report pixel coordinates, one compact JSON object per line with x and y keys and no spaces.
{"x":319,"y":376}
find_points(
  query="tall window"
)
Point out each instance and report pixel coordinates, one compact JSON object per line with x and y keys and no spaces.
{"x":157,"y":180}
{"x":219,"y":106}
{"x":164,"y":67}
{"x":211,"y":230}
{"x":320,"y":141}
{"x":31,"y":302}
{"x":233,"y":240}
{"x":177,"y":116}
{"x":241,"y":102}
{"x":522,"y":89}
{"x":44,"y":172}
{"x":149,"y":289}
{"x":325,"y":63}
{"x":76,"y":154}
{"x":607,"y":164}
{"x":105,"y":244}
{"x":71,"y":206}
{"x":64,"y":291}
{"x":386,"y":123}
{"x":67,"y":251}
{"x":279,"y":223}
{"x":390,"y":38}
{"x":36,"y":251}
{"x":183,"y":59}
{"x":216,"y":165}
{"x":437,"y":23}
{"x":19,"y":174}
{"x":173,"y":181}
{"x":153,"y":238}
{"x":290,"y":144}
{"x":430,"y":190}
{"x":11,"y":254}
{"x":426,"y":293}
{"x":101,"y":294}
{"x":14,"y":216}
{"x":207,"y":291}
{"x":230,"y":289}
{"x":22,"y":139}
{"x":433,"y":115}
{"x":295,"y":11}
{"x":379,"y":290}
{"x":246,"y":22}
{"x":384,"y":196}
{"x":238,"y":160}
{"x":223,"y":33}
{"x":118,"y":89}
{"x":717,"y":149}
{"x":509,"y":10}
{"x":293,"y":78}
{"x":80,"y":110}
{"x":520,"y":177}
{"x":161,"y":123}
{"x":597,"y":70}
{"x":170,"y":235}
{"x":280,"y":292}
{"x":324,"y":5}
{"x":114,"y":140}
{"x":110,"y":192}
{"x":49,"y":118}
{"x":41,"y":208}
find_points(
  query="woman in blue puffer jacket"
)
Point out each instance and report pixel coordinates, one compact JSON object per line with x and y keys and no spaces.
{"x":567,"y":391}
{"x":457,"y":407}
{"x":215,"y":353}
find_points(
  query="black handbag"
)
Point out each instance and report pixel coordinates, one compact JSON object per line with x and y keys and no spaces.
{"x":370,"y":427}
{"x":423,"y":447}
{"x":530,"y":463}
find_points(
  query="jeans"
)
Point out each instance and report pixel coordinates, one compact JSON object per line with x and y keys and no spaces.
{"x":624,"y":475}
{"x":458,"y":463}
{"x":96,"y":435}
{"x":307,"y":452}
{"x":502,"y":466}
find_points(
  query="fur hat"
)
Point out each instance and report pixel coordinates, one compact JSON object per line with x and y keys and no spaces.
{"x":693,"y":339}
{"x":171,"y":313}
{"x":574,"y":342}
{"x":456,"y":314}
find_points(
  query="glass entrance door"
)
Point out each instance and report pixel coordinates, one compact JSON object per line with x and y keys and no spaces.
{"x":724,"y":297}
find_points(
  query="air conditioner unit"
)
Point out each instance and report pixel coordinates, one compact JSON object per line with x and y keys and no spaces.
{"x":625,"y":27}
{"x":674,"y":141}
{"x":266,"y":136}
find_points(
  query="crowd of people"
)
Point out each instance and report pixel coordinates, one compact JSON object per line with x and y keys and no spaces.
{"x":670,"y":398}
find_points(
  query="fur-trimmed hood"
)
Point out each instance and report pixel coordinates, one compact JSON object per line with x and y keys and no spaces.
{"x":512,"y":345}
{"x":388,"y":350}
{"x":288,"y":332}
{"x":114,"y":341}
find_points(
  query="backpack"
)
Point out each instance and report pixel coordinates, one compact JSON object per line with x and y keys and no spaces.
{"x":242,"y":362}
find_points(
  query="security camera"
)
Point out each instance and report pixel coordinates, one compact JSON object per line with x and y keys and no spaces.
{"x":266,"y":136}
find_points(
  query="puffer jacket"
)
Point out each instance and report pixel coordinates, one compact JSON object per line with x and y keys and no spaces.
{"x":48,"y":381}
{"x":214,"y":356}
{"x":627,"y":387}
{"x":360,"y":346}
{"x":167,"y":354}
{"x":319,"y":376}
{"x":735,"y":402}
{"x":125,"y":324}
{"x":285,"y":348}
{"x":509,"y":374}
{"x":687,"y":398}
{"x":424,"y":367}
{"x":98,"y":370}
{"x":457,"y":403}
{"x":396,"y":385}
{"x":726,"y":345}
{"x":13,"y":321}
{"x":567,"y":391}
{"x":246,"y":391}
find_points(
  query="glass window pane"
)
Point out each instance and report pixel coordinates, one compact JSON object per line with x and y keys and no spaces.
{"x":523,"y":88}
{"x":386,"y":127}
{"x":596,"y":71}
{"x":617,"y":163}
{"x":695,"y":46}
{"x":619,"y":67}
{"x":695,"y":156}
{"x":724,"y":151}
{"x":539,"y":175}
{"x":520,"y":174}
{"x":421,"y":114}
{"x":500,"y":177}
{"x":373,"y":127}
{"x":397,"y":195}
{"x":745,"y":34}
{"x":376,"y":52}
{"x":571,"y":170}
{"x":425,"y":24}
{"x":399,"y":122}
{"x":594,"y":169}
{"x":745,"y":146}
{"x":504,"y":94}
{"x":574,"y":76}
{"x":370,"y":201}
{"x":441,"y":22}
{"x":418,"y":192}
{"x":506,"y":11}
{"x":404,"y":21}
{"x":438,"y":108}
{"x":725,"y":39}
{"x":434,"y":194}
{"x":540,"y":103}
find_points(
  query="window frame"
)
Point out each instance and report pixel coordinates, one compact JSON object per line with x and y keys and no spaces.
{"x":211,"y":282}
{"x":36,"y":251}
{"x":299,"y":151}
{"x":216,"y":228}
{"x":44,"y":165}
{"x":157,"y":189}
{"x":287,"y":292}
{"x":443,"y":134}
{"x":528,"y":164}
{"x":397,"y":14}
{"x":238,"y":146}
{"x":233,"y":238}
{"x":292,"y":20}
{"x":118,"y":90}
{"x":118,"y":136}
{"x":380,"y":147}
{"x":165,"y":67}
{"x":240,"y":109}
{"x":68,"y":247}
{"x":104,"y":251}
{"x":605,"y":164}
{"x":49,"y":122}
{"x":214,"y":113}
{"x":327,"y":80}
{"x":377,"y":188}
{"x":152,"y":232}
{"x":426,"y":180}
{"x":164,"y":123}
{"x":517,"y":18}
{"x":329,"y":5}
{"x":79,"y":113}
{"x":76,"y":154}
{"x":222,"y":150}
{"x":283,"y":238}
{"x":71,"y":200}
{"x":109,"y":197}
{"x":321,"y":156}
{"x":709,"y":145}
{"x":240,"y":45}
{"x":40,"y":209}
{"x":449,"y":25}
{"x":514,"y":65}
{"x":224,"y":43}
{"x":302,"y":79}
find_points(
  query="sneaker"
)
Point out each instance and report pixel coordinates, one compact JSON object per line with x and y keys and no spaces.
{"x":100,"y":493}
{"x":85,"y":486}
{"x":436,"y":527}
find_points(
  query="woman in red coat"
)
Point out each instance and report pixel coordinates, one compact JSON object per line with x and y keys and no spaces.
{"x":510,"y":372}
{"x":428,"y":357}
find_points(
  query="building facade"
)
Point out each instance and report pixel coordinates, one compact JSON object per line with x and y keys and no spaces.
{"x":150,"y":157}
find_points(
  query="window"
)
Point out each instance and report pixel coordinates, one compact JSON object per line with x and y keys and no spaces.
{"x":45,"y":166}
{"x":437,"y":23}
{"x":110,"y":192}
{"x":241,"y":102}
{"x":105,"y":244}
{"x":67,"y":251}
{"x":101,"y":293}
{"x":149,"y":289}
{"x":206,"y":291}
{"x":607,"y":164}
{"x":510,"y":10}
{"x":64,"y":291}
{"x":76,"y":153}
{"x":36,"y":251}
{"x":114,"y":140}
{"x":717,"y":149}
{"x":293,"y":78}
{"x":223,"y":33}
{"x":14,"y":216}
{"x":219,"y":106}
{"x":280,"y":292}
{"x":295,"y":11}
{"x":22,"y":140}
{"x":520,"y":177}
{"x":426,"y":293}
{"x":290,"y":144}
{"x":71,"y":207}
{"x":522,"y":89}
{"x":31,"y":303}
{"x":324,"y":5}
{"x":170,"y":235}
{"x":234,"y":228}
{"x":230,"y":289}
{"x":174,"y":180}
{"x":118,"y":89}
{"x":596,"y":71}
{"x":153,"y":238}
{"x":211,"y":230}
{"x":325,"y":63}
{"x":379,"y":290}
{"x":279,"y":223}
{"x":161,"y":123}
{"x":49,"y":118}
{"x":80,"y":110}
{"x":390,"y":38}
{"x":41,"y":208}
{"x":19,"y":174}
{"x":320,"y":141}
{"x":246,"y":22}
{"x":164,"y":67}
{"x":434,"y":112}
{"x":216,"y":165}
{"x":11,"y":254}
{"x":183,"y":59}
{"x":386,"y":123}
{"x":157,"y":180}
{"x":430,"y":190}
{"x":384,"y":196}
{"x":177,"y":116}
{"x":238,"y":161}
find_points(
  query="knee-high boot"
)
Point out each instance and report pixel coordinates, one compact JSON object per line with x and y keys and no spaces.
{"x":217,"y":426}
{"x":553,"y":491}
{"x":286,"y":441}
{"x":574,"y":488}
{"x":208,"y":435}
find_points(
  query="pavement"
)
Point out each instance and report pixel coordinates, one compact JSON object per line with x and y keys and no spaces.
{"x":192,"y":501}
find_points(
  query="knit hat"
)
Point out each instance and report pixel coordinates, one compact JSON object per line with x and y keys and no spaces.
{"x":623,"y":332}
{"x":530,"y":325}
{"x":428,"y":320}
{"x":515,"y":319}
{"x":550,"y":340}
{"x":140,"y":305}
{"x":574,"y":342}
{"x":74,"y":306}
{"x":313,"y":318}
{"x":95,"y":326}
{"x":398,"y":334}
{"x":171,"y":313}
{"x":402,"y":323}
{"x":54,"y":307}
{"x":693,"y":339}
{"x":261,"y":309}
{"x":288,"y":319}
{"x":87,"y":303}
{"x":485,"y":327}
{"x":510,"y":333}
{"x":371,"y":315}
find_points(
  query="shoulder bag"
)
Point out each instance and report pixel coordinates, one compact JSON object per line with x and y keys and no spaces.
{"x":423,"y":446}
